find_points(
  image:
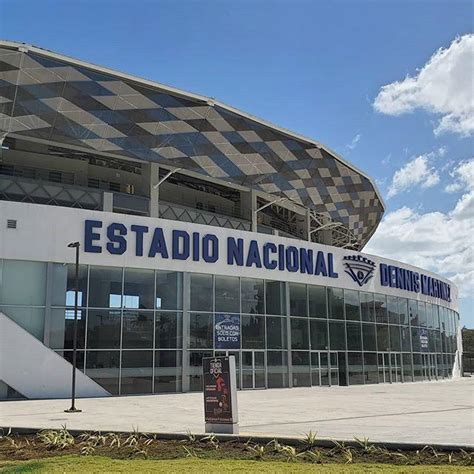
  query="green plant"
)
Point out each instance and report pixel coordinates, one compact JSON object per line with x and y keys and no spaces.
{"x":212,"y":440}
{"x":315,"y":456}
{"x":364,"y":443}
{"x":56,"y":439}
{"x":87,"y":450}
{"x":258,"y":450}
{"x":290,"y":453}
{"x":114,"y":440}
{"x":190,"y":452}
{"x":276,"y":446}
{"x":310,"y":440}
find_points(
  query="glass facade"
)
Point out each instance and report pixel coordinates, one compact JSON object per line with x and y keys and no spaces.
{"x":145,"y":331}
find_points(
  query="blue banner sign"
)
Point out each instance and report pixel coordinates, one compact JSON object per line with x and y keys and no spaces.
{"x":227,"y":331}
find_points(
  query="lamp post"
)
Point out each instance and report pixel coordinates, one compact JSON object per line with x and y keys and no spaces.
{"x":73,"y":409}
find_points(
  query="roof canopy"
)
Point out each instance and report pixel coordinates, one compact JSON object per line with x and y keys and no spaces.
{"x":51,"y":97}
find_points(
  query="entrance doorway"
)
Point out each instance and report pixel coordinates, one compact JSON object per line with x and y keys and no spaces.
{"x":253,"y":369}
{"x":237,"y":363}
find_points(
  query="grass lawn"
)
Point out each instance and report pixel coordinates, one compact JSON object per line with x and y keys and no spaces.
{"x":97,"y":464}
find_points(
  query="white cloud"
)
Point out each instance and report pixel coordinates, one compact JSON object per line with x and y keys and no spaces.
{"x":443,"y":86}
{"x":415,"y":172}
{"x":439,"y":241}
{"x":463,"y":176}
{"x":354,"y":142}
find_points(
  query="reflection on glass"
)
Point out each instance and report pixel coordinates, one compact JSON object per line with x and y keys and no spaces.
{"x":168,"y":330}
{"x":301,"y":369}
{"x":253,"y":297}
{"x":137,"y":371}
{"x":201,"y":292}
{"x":298,"y":303}
{"x":105,"y":287}
{"x":168,"y":369}
{"x":335,"y":303}
{"x":227,"y":294}
{"x":351,"y":300}
{"x":367,"y":307}
{"x":253,"y":332}
{"x":139,"y":289}
{"x":169,"y":290}
{"x":319,"y":335}
{"x":137,"y":330}
{"x":275,"y":297}
{"x":276,"y":332}
{"x":299,"y":333}
{"x":103,"y":367}
{"x":201,"y":330}
{"x":317,"y":301}
{"x":103,"y":329}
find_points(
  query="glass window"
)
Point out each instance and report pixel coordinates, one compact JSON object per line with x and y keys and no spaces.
{"x":407,"y":368}
{"x":253,"y":297}
{"x":253,"y":332}
{"x":392,"y":307}
{"x":335,"y":303}
{"x":168,"y":330}
{"x":355,"y":364}
{"x":139,"y":289}
{"x":168,"y":373}
{"x":58,"y":288}
{"x":319,"y":335}
{"x":422,"y":313}
{"x":367,"y":307}
{"x":276,"y":333}
{"x":370,"y":368}
{"x":415,"y":339}
{"x":403,"y":310}
{"x":413,"y":312}
{"x":105,"y":287}
{"x":417,"y":367}
{"x":22,"y":283}
{"x":30,"y":319}
{"x":195,"y":369}
{"x":301,"y":369}
{"x":351,"y":300}
{"x":298,"y":302}
{"x":137,"y":330}
{"x":137,"y":372}
{"x":103,"y":329}
{"x":354,"y":342}
{"x":299,"y":333}
{"x":429,"y":316}
{"x":227,"y":294}
{"x":380,"y":308}
{"x":370,"y":340}
{"x":405,"y":334}
{"x":383,"y":338}
{"x":169,"y":290}
{"x":200,"y":330}
{"x":103,"y":367}
{"x":70,"y":287}
{"x":201,"y":292}
{"x":395,"y":338}
{"x":317,"y":301}
{"x":68,"y":355}
{"x":275,"y":297}
{"x":277,"y":369}
{"x":337,"y":340}
{"x":61,"y":332}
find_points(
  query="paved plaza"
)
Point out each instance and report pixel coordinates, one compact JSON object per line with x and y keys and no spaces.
{"x":423,"y":412}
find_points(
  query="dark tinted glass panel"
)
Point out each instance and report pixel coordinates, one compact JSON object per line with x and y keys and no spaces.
{"x":276,"y":333}
{"x":395,"y":344}
{"x":317,"y":301}
{"x":200,"y":330}
{"x":168,"y":330}
{"x":277,"y":369}
{"x":405,"y":334}
{"x":195,"y":369}
{"x":368,"y":333}
{"x":71,"y":282}
{"x":403,"y":310}
{"x":367,"y":306}
{"x":319,"y":335}
{"x":253,"y":332}
{"x":354,"y":342}
{"x":417,"y":367}
{"x":169,"y":290}
{"x":429,"y":315}
{"x":275,"y":297}
{"x":383,"y":338}
{"x":413,"y":312}
{"x":167,"y":371}
{"x":301,"y":369}
{"x":105,"y":287}
{"x":351,"y":300}
{"x":356,"y":373}
{"x":103,"y":329}
{"x":139,"y":289}
{"x":227,"y":294}
{"x":299,"y":333}
{"x":392,"y":306}
{"x":68,"y":355}
{"x":370,"y":368}
{"x":337,"y":340}
{"x":137,"y":330}
{"x":335,"y":303}
{"x":415,"y":339}
{"x":252,"y":296}
{"x":61,"y":334}
{"x":422,"y":313}
{"x":380,"y":308}
{"x":407,"y":368}
{"x":201,"y":292}
{"x":103,"y":367}
{"x":298,"y":303}
{"x":137,"y":371}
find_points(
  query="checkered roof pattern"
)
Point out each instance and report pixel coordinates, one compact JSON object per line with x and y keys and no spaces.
{"x":50,"y":97}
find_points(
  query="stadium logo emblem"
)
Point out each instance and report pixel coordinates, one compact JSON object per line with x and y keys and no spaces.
{"x":359,"y":268}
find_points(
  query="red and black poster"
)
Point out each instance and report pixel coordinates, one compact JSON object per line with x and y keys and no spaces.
{"x":218,"y":390}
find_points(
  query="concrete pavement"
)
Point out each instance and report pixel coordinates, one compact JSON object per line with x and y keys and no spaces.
{"x":423,"y":412}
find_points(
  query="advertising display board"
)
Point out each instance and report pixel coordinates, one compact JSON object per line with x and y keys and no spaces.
{"x":227,"y":331}
{"x":220,"y":394}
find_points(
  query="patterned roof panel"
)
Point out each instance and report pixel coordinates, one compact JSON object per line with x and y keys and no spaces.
{"x":55,"y":98}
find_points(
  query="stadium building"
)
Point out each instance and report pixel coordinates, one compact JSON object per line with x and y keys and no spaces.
{"x":202,"y":231}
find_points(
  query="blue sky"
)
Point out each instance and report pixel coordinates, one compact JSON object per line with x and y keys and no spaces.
{"x":316,"y":68}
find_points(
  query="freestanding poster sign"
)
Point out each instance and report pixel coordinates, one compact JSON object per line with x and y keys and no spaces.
{"x":220,"y":395}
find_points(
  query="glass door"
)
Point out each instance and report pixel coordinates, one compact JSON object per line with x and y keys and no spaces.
{"x":396,"y":367}
{"x":433,"y":367}
{"x":237,"y":362}
{"x":334,"y":375}
{"x":425,"y":366}
{"x":384,"y":367}
{"x":253,"y":369}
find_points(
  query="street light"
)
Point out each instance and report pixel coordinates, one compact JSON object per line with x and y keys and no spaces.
{"x":73,"y":409}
